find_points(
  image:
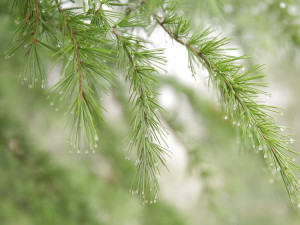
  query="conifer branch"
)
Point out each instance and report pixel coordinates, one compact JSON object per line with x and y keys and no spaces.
{"x":148,"y":131}
{"x":238,"y":95}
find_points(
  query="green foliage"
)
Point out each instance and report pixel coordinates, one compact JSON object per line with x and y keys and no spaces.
{"x":91,"y":41}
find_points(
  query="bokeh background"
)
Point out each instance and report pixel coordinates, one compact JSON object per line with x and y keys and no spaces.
{"x":211,"y":180}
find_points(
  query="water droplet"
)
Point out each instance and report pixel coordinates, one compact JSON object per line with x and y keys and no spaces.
{"x":265,"y":156}
{"x":96,"y":138}
{"x":151,"y":202}
{"x":146,"y":135}
{"x":260,"y":148}
{"x":278,"y":169}
{"x":86,"y":151}
{"x":25,"y":78}
{"x":58,"y":45}
{"x":127,"y":158}
{"x":43,"y":11}
{"x":35,"y":80}
{"x":52,"y":104}
{"x":96,"y":146}
{"x":238,"y":124}
{"x":94,"y":152}
{"x":234,"y":122}
{"x":282,"y":129}
{"x":17,"y":22}
{"x":294,"y":159}
{"x":234,"y":107}
{"x":143,"y":193}
{"x":130,"y":78}
{"x":156,"y":110}
{"x":292,"y":140}
{"x":243,"y":69}
{"x":155,"y":165}
{"x":150,"y":96}
{"x":226,"y":117}
{"x":154,"y":201}
{"x":56,"y":110}
{"x":60,"y":92}
{"x":30,"y":86}
{"x":70,"y":58}
{"x":282,"y":5}
{"x":299,"y":205}
{"x":78,"y":151}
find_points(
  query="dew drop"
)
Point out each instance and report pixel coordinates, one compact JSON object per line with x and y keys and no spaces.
{"x":243,"y":69}
{"x":94,"y":151}
{"x":278,"y":169}
{"x":156,"y":110}
{"x":58,"y":45}
{"x":292,"y":140}
{"x":234,"y":107}
{"x":96,"y":146}
{"x":299,"y":205}
{"x":52,"y":104}
{"x":151,"y":202}
{"x":30,"y":86}
{"x":294,"y":159}
{"x":78,"y":151}
{"x":265,"y":156}
{"x":86,"y":151}
{"x":35,"y":80}
{"x":70,"y":58}
{"x":60,"y":92}
{"x":238,"y":124}
{"x":56,"y":110}
{"x":155,"y":165}
{"x":130,"y":78}
{"x":226,"y":117}
{"x":17,"y":22}
{"x":282,"y":129}
{"x":234,"y":122}
{"x":25,"y":78}
{"x":96,"y":138}
{"x":127,"y":158}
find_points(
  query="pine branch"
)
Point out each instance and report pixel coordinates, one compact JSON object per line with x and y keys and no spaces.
{"x":238,"y":92}
{"x":148,"y":131}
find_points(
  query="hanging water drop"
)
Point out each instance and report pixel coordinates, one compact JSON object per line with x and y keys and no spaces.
{"x":56,"y":110}
{"x":234,"y":122}
{"x":96,"y":138}
{"x":17,"y":22}
{"x":282,"y":129}
{"x":238,"y":124}
{"x":52,"y":104}
{"x":156,"y":110}
{"x":234,"y":107}
{"x":60,"y":92}
{"x":30,"y":86}
{"x":96,"y":146}
{"x":265,"y":156}
{"x":299,"y":205}
{"x":78,"y":151}
{"x":294,"y":159}
{"x":260,"y":148}
{"x":226,"y":117}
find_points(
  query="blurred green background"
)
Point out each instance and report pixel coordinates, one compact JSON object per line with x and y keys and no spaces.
{"x":211,"y":180}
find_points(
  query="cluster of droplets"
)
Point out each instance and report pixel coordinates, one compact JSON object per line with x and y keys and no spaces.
{"x":78,"y":150}
{"x":144,"y":200}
